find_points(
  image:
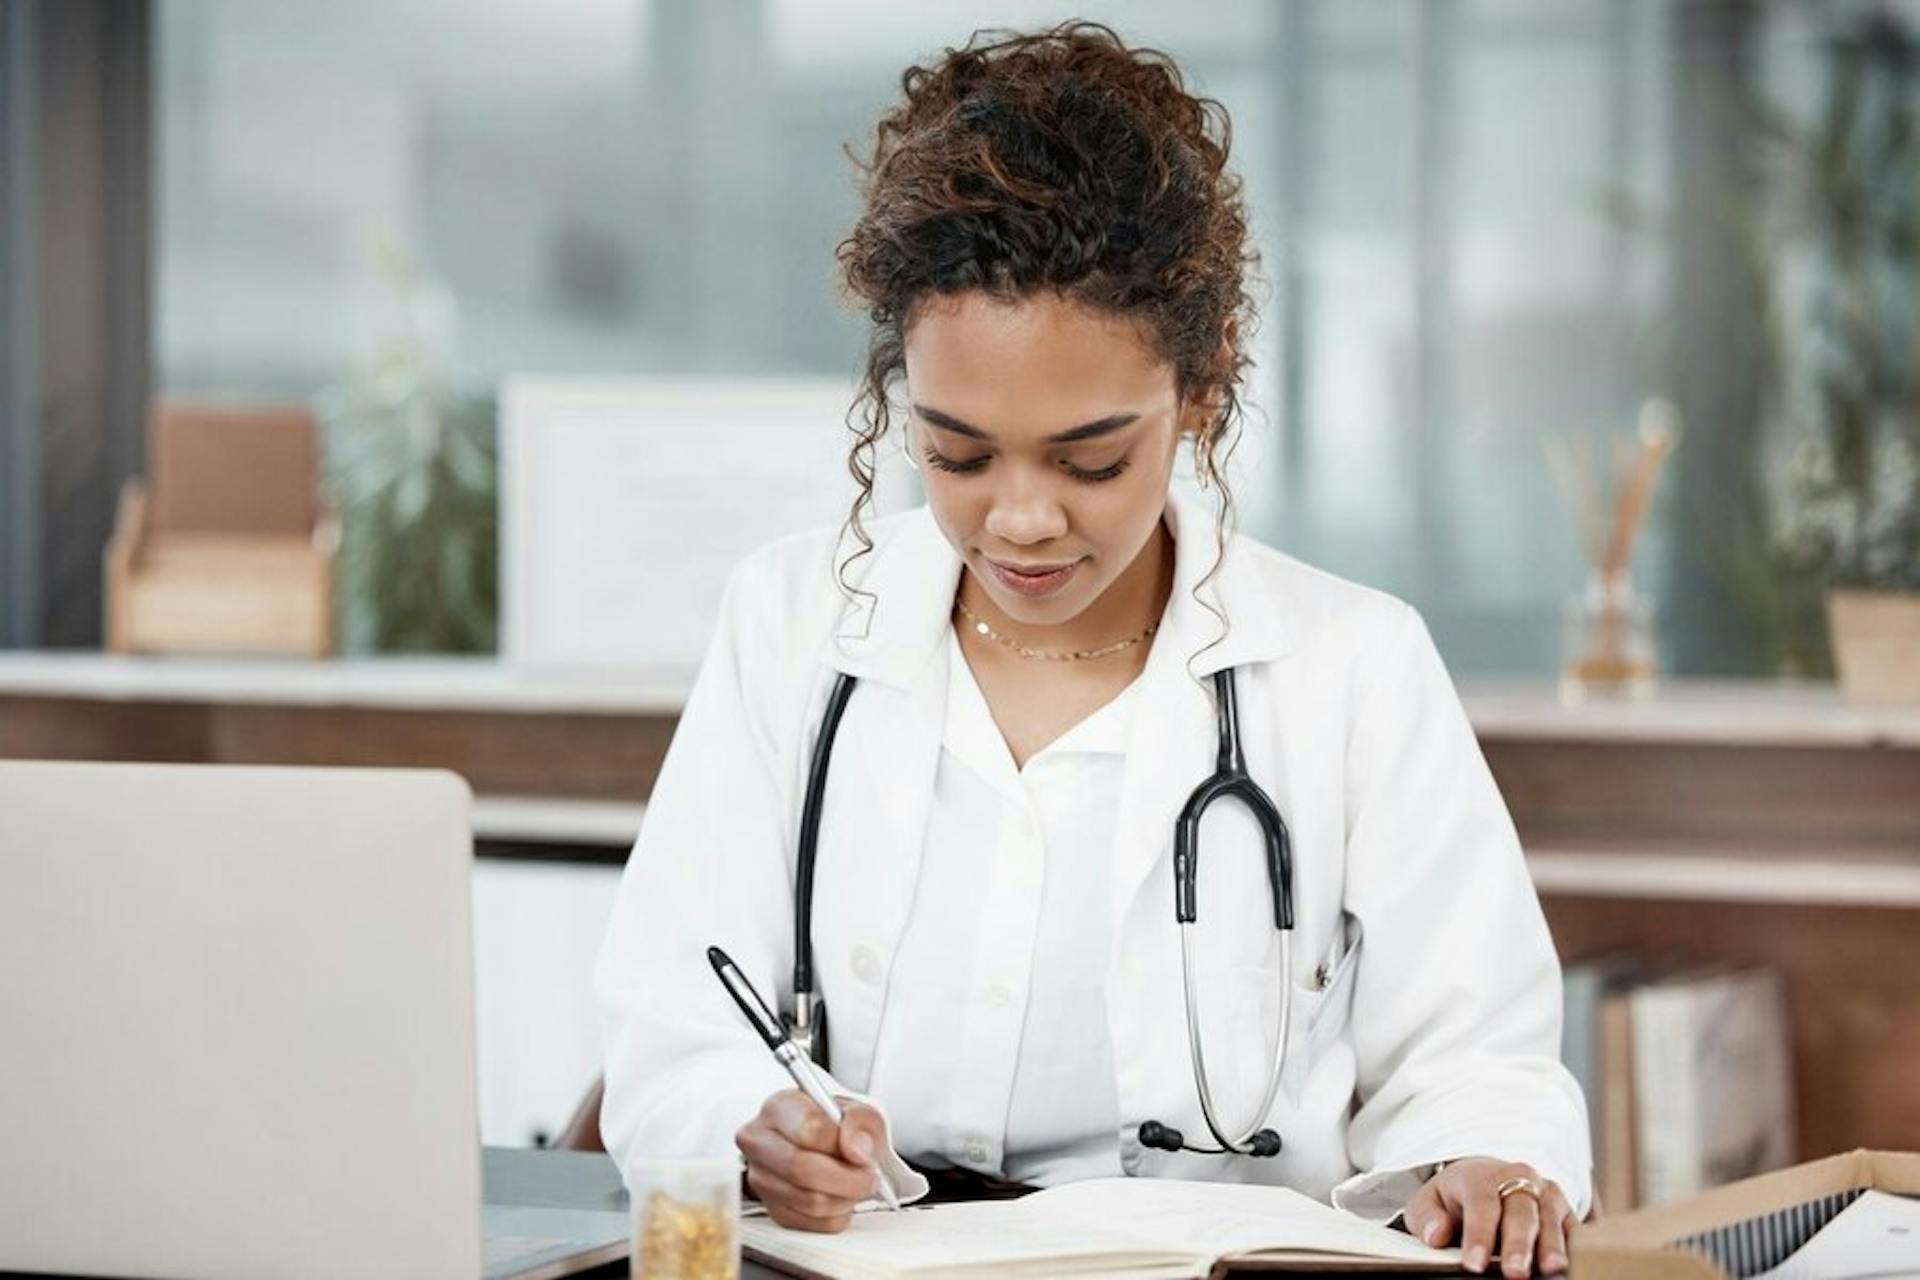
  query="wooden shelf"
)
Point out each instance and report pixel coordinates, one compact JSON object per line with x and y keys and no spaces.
{"x":1726,"y":712}
{"x":416,"y":684}
{"x":1861,"y":878}
{"x":599,"y":824}
{"x":1752,"y":713}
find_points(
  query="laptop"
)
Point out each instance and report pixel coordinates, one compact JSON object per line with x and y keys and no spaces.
{"x":237,"y":1034}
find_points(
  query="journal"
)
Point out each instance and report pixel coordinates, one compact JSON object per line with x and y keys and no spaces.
{"x":1145,"y":1227}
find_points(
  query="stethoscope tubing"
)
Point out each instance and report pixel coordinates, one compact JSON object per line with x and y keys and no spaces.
{"x":1230,"y":779}
{"x":1198,"y":1050}
{"x":803,"y":1022}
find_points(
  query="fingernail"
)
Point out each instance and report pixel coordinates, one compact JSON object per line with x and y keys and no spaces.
{"x":1432,"y":1234}
{"x":1516,"y":1266}
{"x":863,"y":1146}
{"x":1476,"y":1259}
{"x":1554,"y":1262}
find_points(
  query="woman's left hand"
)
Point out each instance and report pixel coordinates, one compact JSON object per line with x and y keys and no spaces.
{"x":1463,"y":1200}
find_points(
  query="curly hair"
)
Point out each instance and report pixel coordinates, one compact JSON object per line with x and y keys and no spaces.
{"x":1056,"y":161}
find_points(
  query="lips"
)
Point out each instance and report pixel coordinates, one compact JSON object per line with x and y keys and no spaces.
{"x":1034,"y":581}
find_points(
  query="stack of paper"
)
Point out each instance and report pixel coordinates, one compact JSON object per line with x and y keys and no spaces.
{"x":1877,"y":1237}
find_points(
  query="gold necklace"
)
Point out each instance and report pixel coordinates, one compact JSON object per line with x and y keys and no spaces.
{"x":1051,"y":655}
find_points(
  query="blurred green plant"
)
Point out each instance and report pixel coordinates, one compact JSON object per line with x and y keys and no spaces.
{"x":1827,"y":225}
{"x":412,"y":466}
{"x":1841,"y":229}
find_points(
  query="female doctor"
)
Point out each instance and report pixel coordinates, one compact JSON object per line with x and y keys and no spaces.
{"x":1053,"y":256}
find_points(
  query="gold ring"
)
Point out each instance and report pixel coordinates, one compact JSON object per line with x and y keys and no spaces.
{"x":1512,"y":1185}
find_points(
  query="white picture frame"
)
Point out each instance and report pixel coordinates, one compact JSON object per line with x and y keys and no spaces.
{"x":625,"y":503}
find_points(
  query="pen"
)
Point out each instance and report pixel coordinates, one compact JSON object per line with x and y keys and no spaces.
{"x":786,"y":1051}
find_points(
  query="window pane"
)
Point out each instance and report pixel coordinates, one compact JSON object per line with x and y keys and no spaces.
{"x":612,"y":187}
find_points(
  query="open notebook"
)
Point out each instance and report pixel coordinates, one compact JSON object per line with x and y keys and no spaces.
{"x":1144,"y":1227}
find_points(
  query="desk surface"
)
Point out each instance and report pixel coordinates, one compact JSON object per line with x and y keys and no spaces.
{"x":570,"y":1180}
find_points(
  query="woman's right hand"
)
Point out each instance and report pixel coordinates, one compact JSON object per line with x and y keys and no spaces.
{"x":808,"y":1171}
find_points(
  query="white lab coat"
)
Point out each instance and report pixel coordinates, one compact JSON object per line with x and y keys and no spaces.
{"x":1426,"y":1010}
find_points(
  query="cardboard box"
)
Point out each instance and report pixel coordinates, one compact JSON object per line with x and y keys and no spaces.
{"x":232,"y":551}
{"x":248,"y":470}
{"x":1740,"y":1229}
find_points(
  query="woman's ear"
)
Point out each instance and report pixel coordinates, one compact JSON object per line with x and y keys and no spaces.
{"x":1206,"y":411}
{"x":1198,"y":416}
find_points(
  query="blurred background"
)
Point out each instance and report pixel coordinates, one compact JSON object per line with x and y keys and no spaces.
{"x":1484,"y":224}
{"x":1515,"y":254}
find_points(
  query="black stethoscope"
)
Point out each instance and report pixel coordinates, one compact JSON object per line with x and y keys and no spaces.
{"x":808,"y":1024}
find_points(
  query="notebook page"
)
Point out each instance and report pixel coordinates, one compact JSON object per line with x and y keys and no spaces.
{"x":1146,"y":1226}
{"x":988,"y":1237}
{"x":1219,"y":1218}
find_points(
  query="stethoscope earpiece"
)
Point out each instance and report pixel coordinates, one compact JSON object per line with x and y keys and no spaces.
{"x":1162,"y":1137}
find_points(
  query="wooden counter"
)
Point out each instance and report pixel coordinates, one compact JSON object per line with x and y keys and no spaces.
{"x":1667,"y":798}
{"x":1719,"y":821}
{"x":596,"y":737}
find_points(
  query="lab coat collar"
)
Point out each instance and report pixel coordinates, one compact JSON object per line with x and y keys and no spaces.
{"x":1253,"y":605}
{"x":898,"y":619}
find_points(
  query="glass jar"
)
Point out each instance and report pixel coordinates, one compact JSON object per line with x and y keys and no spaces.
{"x":1606,"y":647}
{"x":686,"y":1217}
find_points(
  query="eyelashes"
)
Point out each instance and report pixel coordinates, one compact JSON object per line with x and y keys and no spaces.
{"x":1104,"y":473}
{"x":972,"y":466}
{"x":942,"y":462}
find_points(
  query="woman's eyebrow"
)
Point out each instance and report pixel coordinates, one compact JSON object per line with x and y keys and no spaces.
{"x":1086,"y":431}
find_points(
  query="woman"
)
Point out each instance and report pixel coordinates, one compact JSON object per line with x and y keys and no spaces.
{"x":1053,"y":256}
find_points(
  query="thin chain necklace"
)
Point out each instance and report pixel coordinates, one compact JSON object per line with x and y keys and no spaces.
{"x":1051,"y":655}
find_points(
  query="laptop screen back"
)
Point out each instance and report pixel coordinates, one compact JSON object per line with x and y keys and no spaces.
{"x":237,"y":1013}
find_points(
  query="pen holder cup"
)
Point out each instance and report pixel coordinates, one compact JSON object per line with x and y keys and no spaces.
{"x":686,"y":1217}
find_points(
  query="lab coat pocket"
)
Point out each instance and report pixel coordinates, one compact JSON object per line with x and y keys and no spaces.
{"x":1322,"y":1007}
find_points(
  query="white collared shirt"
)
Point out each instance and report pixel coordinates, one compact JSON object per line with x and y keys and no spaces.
{"x":994,"y":1047}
